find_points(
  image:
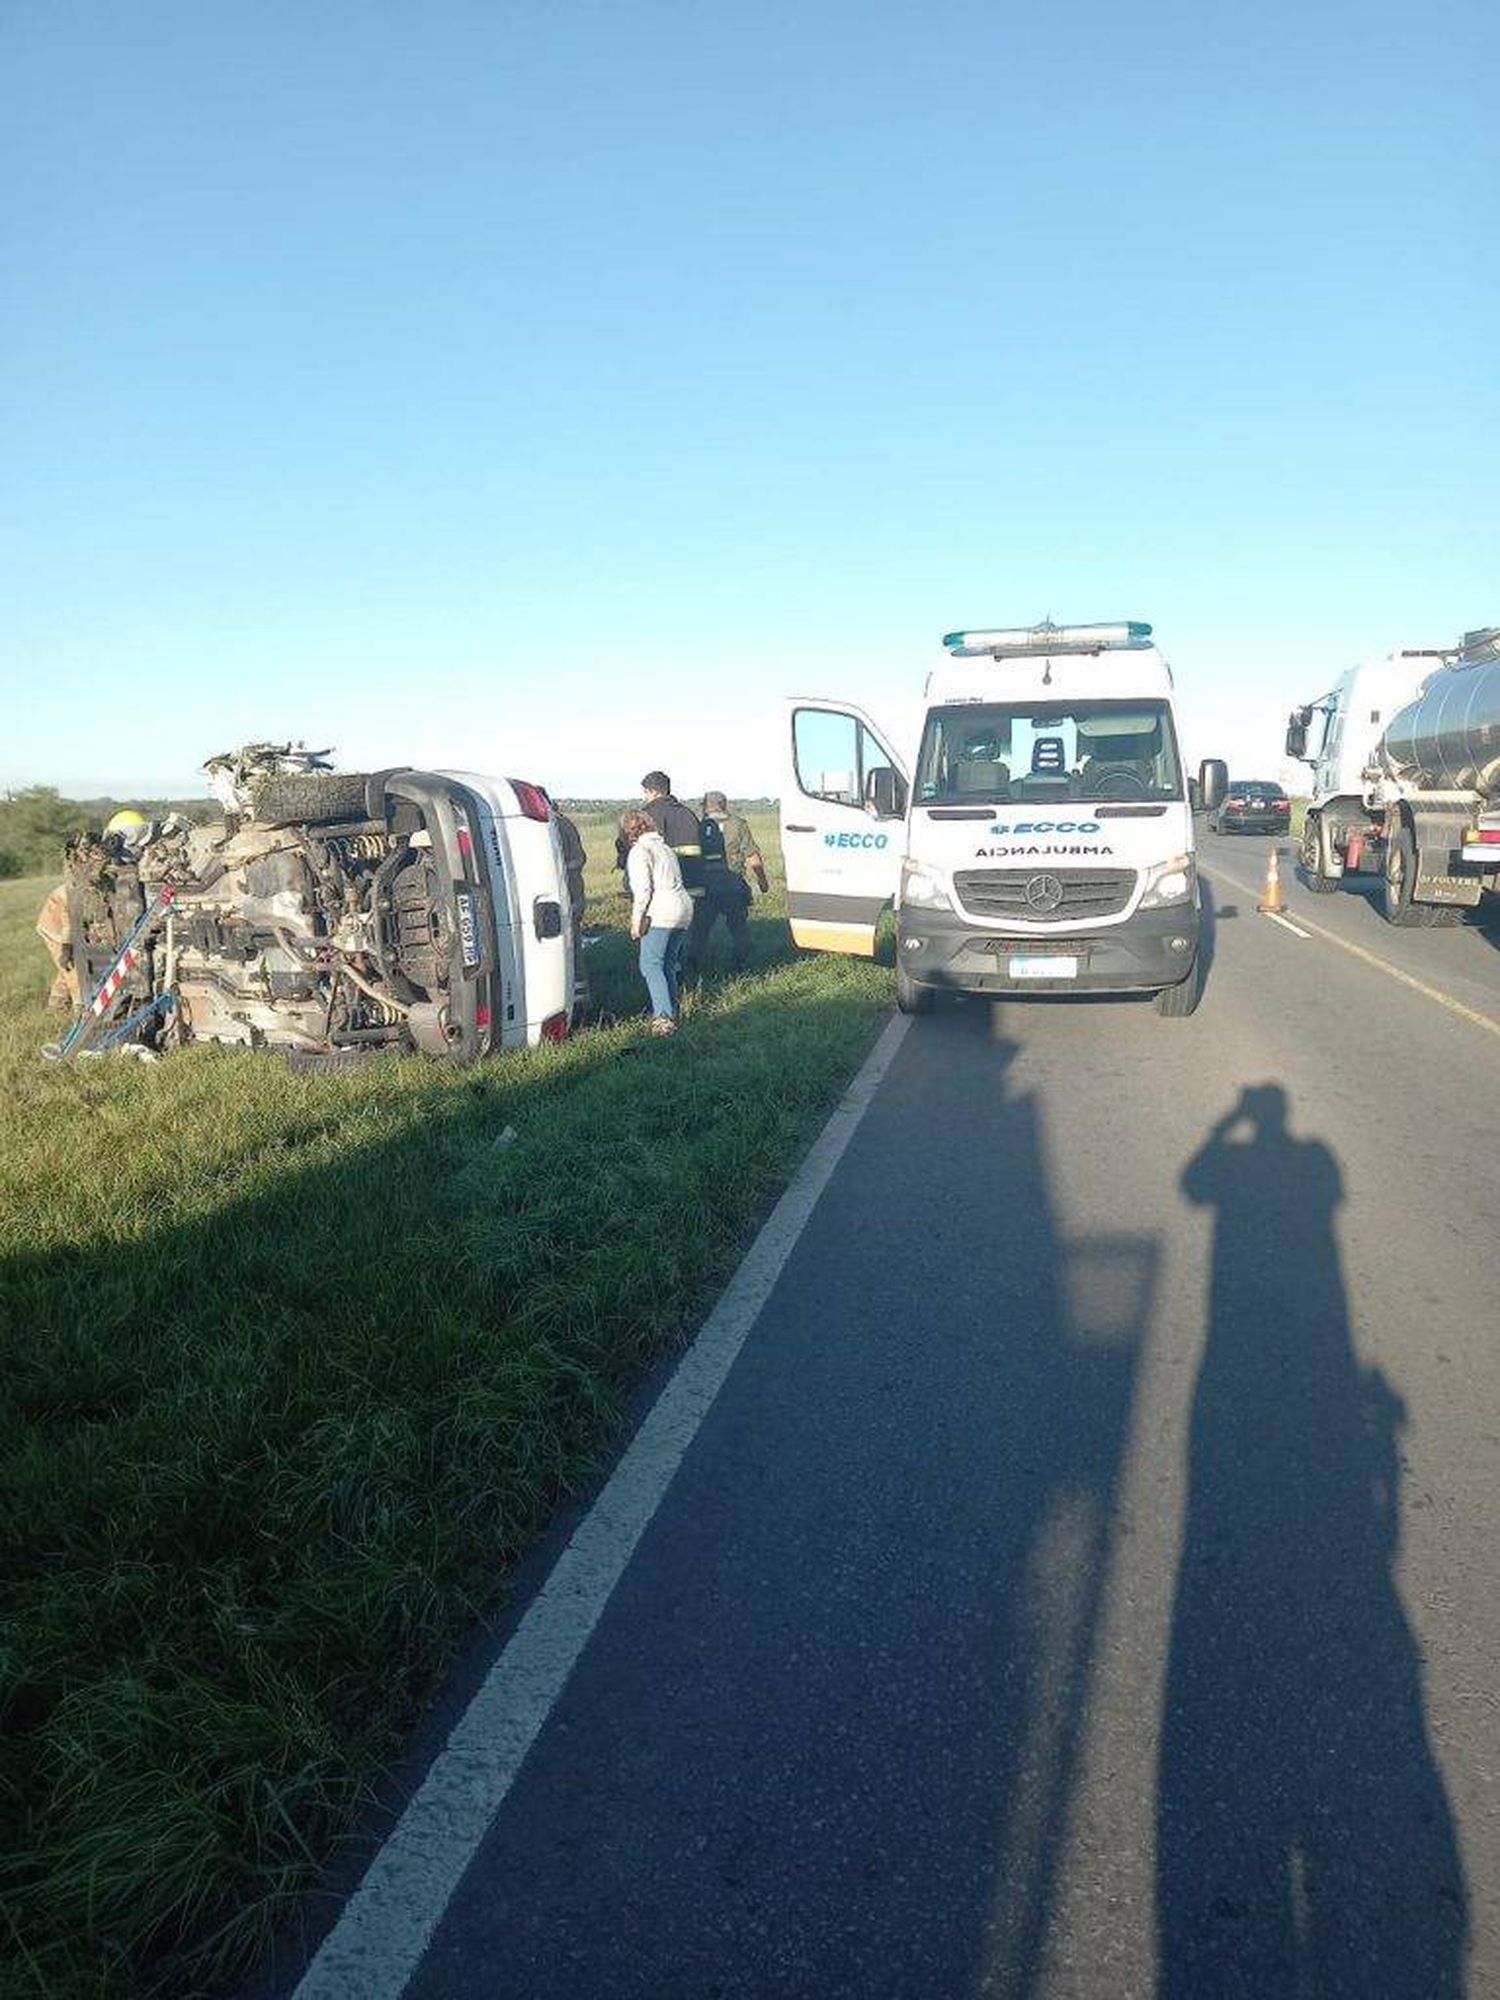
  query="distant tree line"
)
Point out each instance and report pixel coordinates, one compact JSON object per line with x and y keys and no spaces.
{"x":616,"y":806}
{"x":37,"y":822}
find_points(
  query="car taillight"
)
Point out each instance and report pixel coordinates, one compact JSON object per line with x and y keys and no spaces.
{"x":531,"y":799}
{"x":481,"y":1017}
{"x":555,"y":1028}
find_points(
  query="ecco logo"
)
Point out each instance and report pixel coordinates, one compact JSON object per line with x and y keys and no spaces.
{"x":1046,"y":826}
{"x":876,"y":840}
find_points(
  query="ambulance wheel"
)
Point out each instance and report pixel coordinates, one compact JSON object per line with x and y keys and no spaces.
{"x":911,"y":998}
{"x":1177,"y":1002}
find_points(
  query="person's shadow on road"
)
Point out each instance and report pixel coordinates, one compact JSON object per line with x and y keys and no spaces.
{"x":1305,"y":1845}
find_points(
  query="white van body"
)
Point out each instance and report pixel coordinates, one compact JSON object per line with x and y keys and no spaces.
{"x":1039,"y":839}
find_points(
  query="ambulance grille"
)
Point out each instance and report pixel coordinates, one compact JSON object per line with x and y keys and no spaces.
{"x":1044,"y":895}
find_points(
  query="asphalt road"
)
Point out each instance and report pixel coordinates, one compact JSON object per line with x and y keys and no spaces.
{"x":1084,"y":1583}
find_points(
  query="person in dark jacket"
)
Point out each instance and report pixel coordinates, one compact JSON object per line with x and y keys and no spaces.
{"x":678,"y":826}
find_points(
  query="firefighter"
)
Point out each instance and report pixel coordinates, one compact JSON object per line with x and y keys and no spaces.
{"x":729,"y":849}
{"x":54,"y":926}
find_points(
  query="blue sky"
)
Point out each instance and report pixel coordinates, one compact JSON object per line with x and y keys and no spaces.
{"x":552,"y":388}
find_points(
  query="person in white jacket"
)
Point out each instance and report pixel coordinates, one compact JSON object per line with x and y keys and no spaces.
{"x":660,"y":912}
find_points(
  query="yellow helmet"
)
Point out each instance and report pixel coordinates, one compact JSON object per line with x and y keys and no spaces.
{"x":129,"y":822}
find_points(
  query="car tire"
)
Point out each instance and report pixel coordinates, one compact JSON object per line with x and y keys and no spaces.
{"x":310,"y":798}
{"x":1175,"y":1003}
{"x":911,"y":998}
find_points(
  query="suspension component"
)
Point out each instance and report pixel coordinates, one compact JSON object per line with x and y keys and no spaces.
{"x":358,"y":847}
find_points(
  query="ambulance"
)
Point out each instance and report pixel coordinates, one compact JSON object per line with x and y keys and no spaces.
{"x":1040,"y":840}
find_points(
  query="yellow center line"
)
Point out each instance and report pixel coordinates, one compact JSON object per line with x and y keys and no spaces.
{"x":1470,"y":1014}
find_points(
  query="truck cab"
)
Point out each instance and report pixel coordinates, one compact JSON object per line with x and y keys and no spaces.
{"x":1039,"y":839}
{"x":1338,"y":736}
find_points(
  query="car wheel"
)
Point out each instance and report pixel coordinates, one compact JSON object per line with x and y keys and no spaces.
{"x":310,"y":798}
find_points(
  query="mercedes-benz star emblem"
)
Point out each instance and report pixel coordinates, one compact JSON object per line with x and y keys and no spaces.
{"x":1043,"y":894}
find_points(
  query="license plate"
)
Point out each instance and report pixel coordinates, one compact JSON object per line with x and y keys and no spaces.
{"x":1044,"y":968}
{"x":468,"y":929}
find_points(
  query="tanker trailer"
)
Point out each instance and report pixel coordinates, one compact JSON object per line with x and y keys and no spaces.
{"x":1434,"y":784}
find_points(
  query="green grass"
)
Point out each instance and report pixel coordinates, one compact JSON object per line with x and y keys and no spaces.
{"x":292,"y":1367}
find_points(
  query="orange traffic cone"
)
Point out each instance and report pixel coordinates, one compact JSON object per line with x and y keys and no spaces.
{"x":1270,"y":897}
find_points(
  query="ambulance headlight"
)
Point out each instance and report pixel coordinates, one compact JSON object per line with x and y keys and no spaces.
{"x":1174,"y":881}
{"x":922,"y":889}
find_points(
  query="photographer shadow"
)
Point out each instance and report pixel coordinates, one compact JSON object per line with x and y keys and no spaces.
{"x":1305,"y":1843}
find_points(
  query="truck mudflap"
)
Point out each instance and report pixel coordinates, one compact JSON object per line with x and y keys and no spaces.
{"x":1442,"y":873}
{"x":1141,"y":954}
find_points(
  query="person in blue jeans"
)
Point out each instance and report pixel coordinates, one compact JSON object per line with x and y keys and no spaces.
{"x":660,"y":912}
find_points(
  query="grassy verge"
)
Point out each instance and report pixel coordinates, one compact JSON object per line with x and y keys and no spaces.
{"x":291,"y":1368}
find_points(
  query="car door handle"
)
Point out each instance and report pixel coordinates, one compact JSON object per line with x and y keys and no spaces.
{"x":789,"y":828}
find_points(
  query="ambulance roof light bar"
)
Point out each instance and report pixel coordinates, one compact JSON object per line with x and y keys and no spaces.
{"x":1048,"y":638}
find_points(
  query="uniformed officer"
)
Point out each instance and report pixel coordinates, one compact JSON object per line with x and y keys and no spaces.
{"x":729,"y":849}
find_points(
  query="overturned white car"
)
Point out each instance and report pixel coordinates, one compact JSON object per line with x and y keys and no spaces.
{"x":332,"y":910}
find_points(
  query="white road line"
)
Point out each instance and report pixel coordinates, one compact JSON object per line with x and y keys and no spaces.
{"x":1472,"y":1015}
{"x":378,"y":1942}
{"x":1286,"y":924}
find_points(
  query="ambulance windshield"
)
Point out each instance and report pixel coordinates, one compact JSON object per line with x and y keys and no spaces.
{"x":1081,"y":751}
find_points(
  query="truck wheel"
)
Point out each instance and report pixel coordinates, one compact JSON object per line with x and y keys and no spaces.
{"x":310,"y":798}
{"x":1312,"y":861}
{"x":1177,"y":1002}
{"x":1400,"y":878}
{"x":911,"y":998}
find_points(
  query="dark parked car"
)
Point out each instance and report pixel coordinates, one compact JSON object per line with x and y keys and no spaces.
{"x":1252,"y":806}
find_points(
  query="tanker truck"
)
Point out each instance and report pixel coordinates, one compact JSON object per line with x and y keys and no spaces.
{"x":1406,"y":779}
